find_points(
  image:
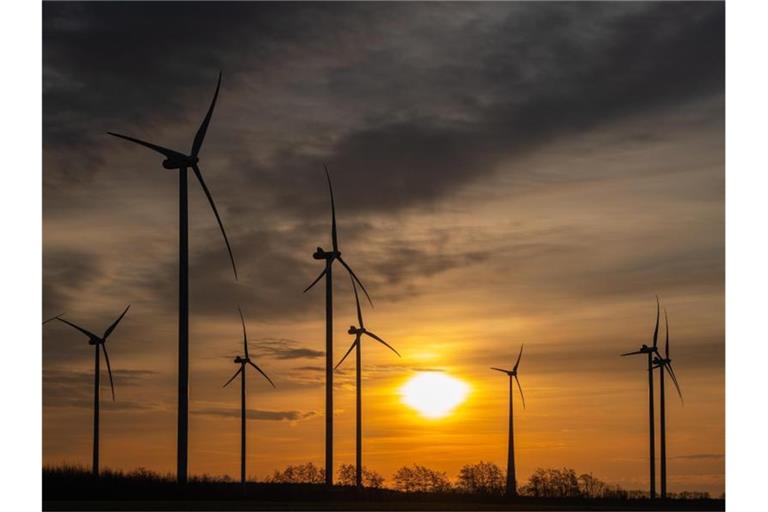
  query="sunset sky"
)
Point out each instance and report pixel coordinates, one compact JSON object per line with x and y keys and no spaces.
{"x":504,"y":174}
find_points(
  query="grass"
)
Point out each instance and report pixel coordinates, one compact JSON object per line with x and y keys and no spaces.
{"x":74,"y":488}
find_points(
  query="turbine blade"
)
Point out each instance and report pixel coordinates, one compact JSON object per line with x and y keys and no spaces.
{"x":521,"y":390}
{"x":52,"y":318}
{"x":233,"y":377}
{"x":357,"y":303}
{"x":261,"y":372}
{"x":390,"y":347}
{"x":334,"y":235}
{"x":109,"y":369}
{"x":315,"y":281}
{"x":84,"y":331}
{"x":500,"y":370}
{"x":200,"y":135}
{"x":656,"y":330}
{"x":114,"y":324}
{"x":168,"y":153}
{"x":356,"y":279}
{"x":518,"y":359}
{"x":354,"y":343}
{"x":671,"y":373}
{"x":216,"y":213}
{"x":245,"y":337}
{"x":666,"y":345}
{"x":632,"y":353}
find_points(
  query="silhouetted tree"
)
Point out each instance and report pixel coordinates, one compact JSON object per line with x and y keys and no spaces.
{"x":299,"y":474}
{"x":346,"y":476}
{"x":591,"y":487}
{"x":481,"y":478}
{"x":551,"y":483}
{"x":421,"y":479}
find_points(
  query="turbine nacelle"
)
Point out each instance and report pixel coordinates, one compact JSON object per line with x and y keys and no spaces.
{"x":355,"y":330}
{"x":241,"y":360}
{"x":321,"y":254}
{"x":180,"y":163}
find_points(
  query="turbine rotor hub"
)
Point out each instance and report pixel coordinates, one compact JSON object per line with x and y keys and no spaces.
{"x":321,"y":254}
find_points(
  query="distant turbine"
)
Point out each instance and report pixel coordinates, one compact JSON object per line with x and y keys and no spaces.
{"x":651,"y":351}
{"x":511,"y":479}
{"x":329,"y":258}
{"x":358,"y":333}
{"x":97,"y":341}
{"x":242,"y":361}
{"x":182,"y":162}
{"x":665,"y":363}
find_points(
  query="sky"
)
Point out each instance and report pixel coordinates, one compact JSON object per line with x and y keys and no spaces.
{"x":504,"y":174}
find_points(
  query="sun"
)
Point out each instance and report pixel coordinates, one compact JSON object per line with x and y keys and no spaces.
{"x":433,"y":394}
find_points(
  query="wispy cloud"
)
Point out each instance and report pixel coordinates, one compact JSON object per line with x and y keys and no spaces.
{"x":283,"y":348}
{"x":256,"y":414}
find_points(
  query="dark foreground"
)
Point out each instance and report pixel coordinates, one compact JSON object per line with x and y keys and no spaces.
{"x":62,"y":491}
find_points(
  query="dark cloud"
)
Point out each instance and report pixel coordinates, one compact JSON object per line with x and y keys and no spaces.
{"x":413,"y":102}
{"x":66,"y":274}
{"x":540,"y":70}
{"x":284,"y":349}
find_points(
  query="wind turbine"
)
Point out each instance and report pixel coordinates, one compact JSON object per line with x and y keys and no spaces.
{"x":182,"y":162}
{"x":664,"y":363}
{"x":358,"y":333}
{"x":329,"y":258}
{"x":242,"y":361}
{"x":98,"y":341}
{"x":511,"y":480}
{"x":651,"y":351}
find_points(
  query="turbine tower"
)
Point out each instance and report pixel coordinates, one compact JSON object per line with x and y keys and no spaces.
{"x":99,"y":344}
{"x":664,"y":363}
{"x":182,"y":162}
{"x":358,"y":333}
{"x":329,"y":258}
{"x":242,"y":361}
{"x":651,"y":352}
{"x":511,"y":477}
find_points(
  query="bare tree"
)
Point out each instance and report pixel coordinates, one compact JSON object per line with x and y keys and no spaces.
{"x":561,"y":483}
{"x":591,"y":487}
{"x":299,"y":474}
{"x":481,"y":478}
{"x":372,"y":479}
{"x":421,"y":479}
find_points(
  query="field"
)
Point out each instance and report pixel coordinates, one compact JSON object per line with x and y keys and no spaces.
{"x":69,"y":489}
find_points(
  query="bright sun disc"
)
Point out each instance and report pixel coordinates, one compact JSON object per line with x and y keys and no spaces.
{"x":433,"y":394}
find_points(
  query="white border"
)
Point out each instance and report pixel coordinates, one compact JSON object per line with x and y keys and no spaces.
{"x":747,"y":257}
{"x":21,"y":214}
{"x":746,"y":188}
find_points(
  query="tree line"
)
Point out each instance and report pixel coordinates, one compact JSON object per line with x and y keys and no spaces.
{"x":481,"y":478}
